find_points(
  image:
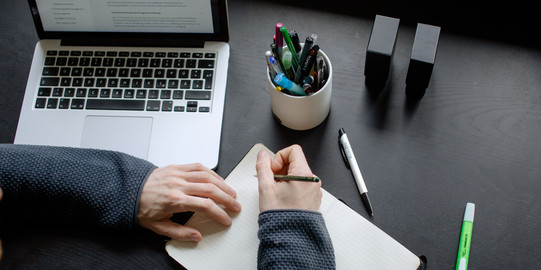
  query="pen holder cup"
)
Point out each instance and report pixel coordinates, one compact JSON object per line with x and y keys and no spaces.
{"x":302,"y":112}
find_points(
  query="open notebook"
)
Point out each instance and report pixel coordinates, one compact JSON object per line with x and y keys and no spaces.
{"x":357,"y":242}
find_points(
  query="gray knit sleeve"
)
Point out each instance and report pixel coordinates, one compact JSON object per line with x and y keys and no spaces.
{"x":61,"y":185}
{"x":294,"y":239}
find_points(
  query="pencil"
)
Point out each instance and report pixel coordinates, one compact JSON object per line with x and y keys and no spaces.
{"x":295,"y":178}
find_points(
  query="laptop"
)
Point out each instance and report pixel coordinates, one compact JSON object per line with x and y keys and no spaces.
{"x":147,"y":78}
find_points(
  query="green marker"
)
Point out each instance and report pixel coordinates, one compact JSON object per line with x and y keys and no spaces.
{"x":291,"y":47}
{"x":465,"y":238}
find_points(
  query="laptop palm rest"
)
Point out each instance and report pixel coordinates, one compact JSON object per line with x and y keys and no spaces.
{"x":130,"y":135}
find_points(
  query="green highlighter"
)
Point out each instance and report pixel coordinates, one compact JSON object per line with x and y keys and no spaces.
{"x":465,"y":238}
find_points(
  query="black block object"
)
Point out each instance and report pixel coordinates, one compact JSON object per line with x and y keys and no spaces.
{"x":380,"y":50}
{"x":423,"y":57}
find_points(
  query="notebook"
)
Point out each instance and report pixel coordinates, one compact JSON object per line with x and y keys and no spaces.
{"x":147,"y":78}
{"x":358,"y":244}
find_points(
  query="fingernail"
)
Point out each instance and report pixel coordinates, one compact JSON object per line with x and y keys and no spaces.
{"x":196,"y":237}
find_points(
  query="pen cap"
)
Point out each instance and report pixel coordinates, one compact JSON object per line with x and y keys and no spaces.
{"x":302,"y":112}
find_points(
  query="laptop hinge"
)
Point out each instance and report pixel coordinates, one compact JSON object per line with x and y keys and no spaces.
{"x":134,"y":42}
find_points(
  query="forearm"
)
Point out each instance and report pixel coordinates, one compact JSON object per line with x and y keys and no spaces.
{"x":70,"y":185}
{"x":294,"y":239}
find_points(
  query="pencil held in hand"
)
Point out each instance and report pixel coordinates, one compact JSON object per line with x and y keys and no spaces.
{"x":282,"y":177}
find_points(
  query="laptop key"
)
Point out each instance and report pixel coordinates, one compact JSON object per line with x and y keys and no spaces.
{"x":115,"y":104}
{"x":52,"y":103}
{"x":40,"y":103}
{"x":50,"y":71}
{"x":197,"y":95}
{"x":49,"y":81}
{"x":153,"y":105}
{"x":64,"y":103}
{"x":44,"y":91}
{"x":77,"y":104}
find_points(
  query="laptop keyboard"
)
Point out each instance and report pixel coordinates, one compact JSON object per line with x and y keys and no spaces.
{"x":120,"y":80}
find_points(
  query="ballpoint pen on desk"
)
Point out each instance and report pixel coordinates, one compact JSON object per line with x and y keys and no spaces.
{"x":351,"y":162}
{"x":465,"y":238}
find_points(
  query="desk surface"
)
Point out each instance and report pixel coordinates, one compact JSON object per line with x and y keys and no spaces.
{"x":473,"y":137}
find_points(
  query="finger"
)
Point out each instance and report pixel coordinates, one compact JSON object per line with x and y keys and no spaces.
{"x":291,"y":160}
{"x":209,"y":190}
{"x":203,"y":205}
{"x":264,"y":171}
{"x":206,"y":177}
{"x":175,"y":231}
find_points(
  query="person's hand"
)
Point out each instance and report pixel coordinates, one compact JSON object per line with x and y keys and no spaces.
{"x":286,"y":194}
{"x":182,"y":188}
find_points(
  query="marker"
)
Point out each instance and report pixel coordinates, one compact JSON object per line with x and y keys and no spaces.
{"x":296,"y":41}
{"x":290,"y":46}
{"x":279,"y":39}
{"x":307,"y":46}
{"x":309,"y":61}
{"x":465,"y":238}
{"x":287,"y":60}
{"x":351,"y":163}
{"x":283,"y":81}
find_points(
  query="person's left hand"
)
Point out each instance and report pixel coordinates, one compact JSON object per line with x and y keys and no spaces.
{"x":182,"y":188}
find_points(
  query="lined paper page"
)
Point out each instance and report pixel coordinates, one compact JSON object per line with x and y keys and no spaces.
{"x":357,"y":242}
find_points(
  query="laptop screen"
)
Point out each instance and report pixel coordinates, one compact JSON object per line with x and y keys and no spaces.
{"x":186,"y":16}
{"x":91,"y":19}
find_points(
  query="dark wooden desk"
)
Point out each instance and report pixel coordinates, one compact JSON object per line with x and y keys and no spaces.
{"x":473,"y":137}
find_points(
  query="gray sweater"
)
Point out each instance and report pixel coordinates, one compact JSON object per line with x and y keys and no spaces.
{"x":87,"y":187}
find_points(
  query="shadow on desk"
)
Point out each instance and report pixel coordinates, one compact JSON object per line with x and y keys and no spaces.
{"x":511,"y":23}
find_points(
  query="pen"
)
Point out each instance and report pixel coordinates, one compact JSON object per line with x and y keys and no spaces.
{"x":351,"y":163}
{"x":272,"y":71}
{"x":307,"y":46}
{"x":282,"y":177}
{"x":465,"y":238}
{"x":296,"y":41}
{"x":277,"y":56}
{"x":289,"y":44}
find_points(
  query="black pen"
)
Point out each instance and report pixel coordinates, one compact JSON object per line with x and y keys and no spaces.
{"x":307,"y":46}
{"x":351,"y":163}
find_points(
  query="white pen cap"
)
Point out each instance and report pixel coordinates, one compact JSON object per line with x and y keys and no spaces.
{"x":469,"y":212}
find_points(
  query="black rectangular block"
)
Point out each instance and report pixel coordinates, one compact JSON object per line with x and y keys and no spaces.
{"x":423,"y":57}
{"x":380,"y":50}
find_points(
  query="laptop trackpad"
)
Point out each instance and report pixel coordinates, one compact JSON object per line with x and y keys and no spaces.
{"x":130,"y":135}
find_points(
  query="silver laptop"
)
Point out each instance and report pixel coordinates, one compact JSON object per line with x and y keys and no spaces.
{"x":147,"y":78}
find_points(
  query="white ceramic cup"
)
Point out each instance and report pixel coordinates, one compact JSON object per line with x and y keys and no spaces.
{"x":302,"y":112}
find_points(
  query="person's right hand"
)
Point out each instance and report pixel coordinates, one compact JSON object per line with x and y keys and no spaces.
{"x":182,"y":188}
{"x":286,"y":194}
